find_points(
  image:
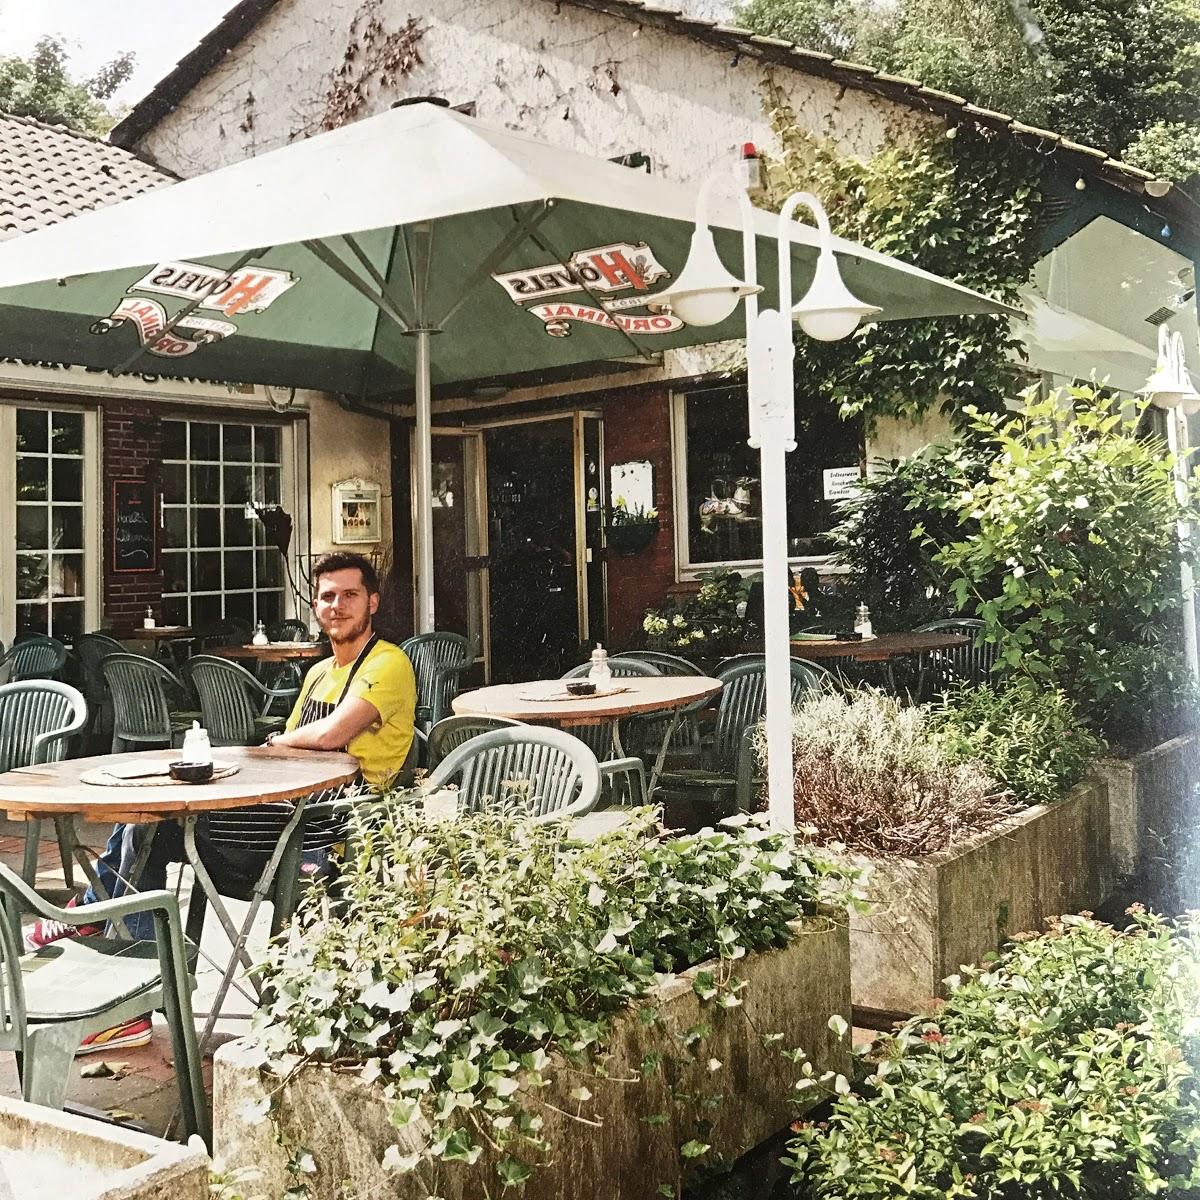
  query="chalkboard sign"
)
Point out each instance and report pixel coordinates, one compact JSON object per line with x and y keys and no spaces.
{"x":134,"y":526}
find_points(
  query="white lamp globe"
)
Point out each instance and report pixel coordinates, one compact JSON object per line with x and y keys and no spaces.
{"x":829,"y":311}
{"x":705,"y":293}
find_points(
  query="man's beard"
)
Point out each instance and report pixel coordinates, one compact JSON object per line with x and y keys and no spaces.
{"x":338,"y":639}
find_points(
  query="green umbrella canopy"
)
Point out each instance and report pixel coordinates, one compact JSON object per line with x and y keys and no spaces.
{"x":304,"y":267}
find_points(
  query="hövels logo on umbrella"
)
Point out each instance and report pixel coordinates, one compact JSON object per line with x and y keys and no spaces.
{"x":246,"y":290}
{"x":618,"y":267}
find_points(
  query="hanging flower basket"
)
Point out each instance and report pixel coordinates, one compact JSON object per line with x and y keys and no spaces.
{"x":631,"y":537}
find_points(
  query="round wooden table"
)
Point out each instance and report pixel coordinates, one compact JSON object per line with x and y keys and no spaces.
{"x":878,"y":649}
{"x":160,"y":633}
{"x":642,"y":694}
{"x":274,"y":652}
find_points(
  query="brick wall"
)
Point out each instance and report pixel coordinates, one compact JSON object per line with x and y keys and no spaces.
{"x":637,"y":425}
{"x":131,"y":448}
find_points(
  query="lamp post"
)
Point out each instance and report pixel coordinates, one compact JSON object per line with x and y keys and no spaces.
{"x":706,"y":293}
{"x":1170,"y":388}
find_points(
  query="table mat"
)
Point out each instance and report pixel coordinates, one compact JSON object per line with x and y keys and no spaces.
{"x":99,"y":777}
{"x":598,"y":694}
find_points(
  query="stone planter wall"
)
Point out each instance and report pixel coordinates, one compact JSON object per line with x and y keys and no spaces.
{"x":46,"y":1153}
{"x":933,"y":914}
{"x":344,"y":1122}
{"x":1149,"y":795}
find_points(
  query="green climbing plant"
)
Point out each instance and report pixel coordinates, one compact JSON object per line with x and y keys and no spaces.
{"x":964,"y":207}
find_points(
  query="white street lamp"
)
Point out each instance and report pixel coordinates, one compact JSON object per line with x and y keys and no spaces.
{"x":1170,"y":388}
{"x":706,"y":293}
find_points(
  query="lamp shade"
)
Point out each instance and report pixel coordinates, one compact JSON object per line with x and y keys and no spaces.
{"x":705,"y":293}
{"x":829,"y":311}
{"x":1170,"y":385}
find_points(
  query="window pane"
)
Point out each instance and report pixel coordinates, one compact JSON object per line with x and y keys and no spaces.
{"x":32,"y":573}
{"x":239,"y":569}
{"x":266,"y":485}
{"x":66,"y":574}
{"x":33,"y":618}
{"x":240,"y":607}
{"x":206,"y":572}
{"x":32,"y":527}
{"x":67,"y":617}
{"x":174,"y":439}
{"x":206,"y":441}
{"x":206,"y":485}
{"x":237,"y":485}
{"x":66,"y":432}
{"x":32,"y":427}
{"x":270,"y":605}
{"x":174,"y":572}
{"x":67,"y":474}
{"x":175,"y":526}
{"x":206,"y":611}
{"x":270,"y":568}
{"x":206,"y":527}
{"x":68,"y":527}
{"x":175,"y":611}
{"x":238,"y":530}
{"x":174,"y":481}
{"x":237,"y":443}
{"x":32,"y":477}
{"x":266,"y":444}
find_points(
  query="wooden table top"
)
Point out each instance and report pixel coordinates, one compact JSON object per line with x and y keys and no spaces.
{"x":652,"y":693}
{"x":274,"y":651}
{"x":267,"y":773}
{"x":881,"y":648}
{"x":159,"y":633}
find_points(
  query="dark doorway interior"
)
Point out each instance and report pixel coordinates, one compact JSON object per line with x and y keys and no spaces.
{"x":531,"y":547}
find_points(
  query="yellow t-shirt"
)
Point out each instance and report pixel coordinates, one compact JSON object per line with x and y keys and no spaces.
{"x":385,"y":681}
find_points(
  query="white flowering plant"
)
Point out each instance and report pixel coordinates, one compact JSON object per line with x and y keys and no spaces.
{"x":710,"y":622}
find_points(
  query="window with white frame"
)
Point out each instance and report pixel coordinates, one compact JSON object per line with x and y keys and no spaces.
{"x":53,"y":539}
{"x":217,"y":563}
{"x":717,"y":493}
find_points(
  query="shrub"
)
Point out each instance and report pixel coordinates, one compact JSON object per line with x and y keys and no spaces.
{"x":1153,"y":698}
{"x":466,"y":953}
{"x":1028,"y":738}
{"x":1076,"y":549}
{"x":1068,"y":1068}
{"x":707,"y":623}
{"x":874,"y":776}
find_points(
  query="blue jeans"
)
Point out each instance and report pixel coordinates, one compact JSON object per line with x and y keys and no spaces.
{"x":115,"y":864}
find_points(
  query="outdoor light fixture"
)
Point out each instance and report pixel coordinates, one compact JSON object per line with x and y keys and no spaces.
{"x":706,"y":293}
{"x":1171,"y":386}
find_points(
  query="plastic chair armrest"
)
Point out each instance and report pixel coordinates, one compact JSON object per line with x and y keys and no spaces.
{"x":634,"y":768}
{"x":87,"y":914}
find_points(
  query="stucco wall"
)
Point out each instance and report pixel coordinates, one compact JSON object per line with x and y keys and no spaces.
{"x":894,"y":438}
{"x":573,"y":77}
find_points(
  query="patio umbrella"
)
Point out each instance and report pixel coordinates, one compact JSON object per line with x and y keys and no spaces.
{"x":333,"y":263}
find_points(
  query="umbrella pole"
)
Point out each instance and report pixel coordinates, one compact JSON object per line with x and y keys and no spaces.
{"x":424,"y":485}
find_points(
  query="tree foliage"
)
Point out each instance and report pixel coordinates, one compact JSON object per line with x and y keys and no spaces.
{"x":41,"y":87}
{"x":1123,"y":75}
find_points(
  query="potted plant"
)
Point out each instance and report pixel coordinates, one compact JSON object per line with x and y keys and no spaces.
{"x":631,"y":530}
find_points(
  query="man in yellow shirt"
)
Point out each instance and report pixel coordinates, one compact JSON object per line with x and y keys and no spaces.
{"x":364,"y":698}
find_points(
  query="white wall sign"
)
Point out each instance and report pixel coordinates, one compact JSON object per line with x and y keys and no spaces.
{"x":840,"y":483}
{"x":356,"y":515}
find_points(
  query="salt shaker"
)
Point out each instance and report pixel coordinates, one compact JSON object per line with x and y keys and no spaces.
{"x":862,"y":621}
{"x":601,"y":673}
{"x":260,"y":637}
{"x":148,"y":619}
{"x":196,"y":746}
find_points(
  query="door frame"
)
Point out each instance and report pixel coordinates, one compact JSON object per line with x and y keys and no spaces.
{"x":576,"y":417}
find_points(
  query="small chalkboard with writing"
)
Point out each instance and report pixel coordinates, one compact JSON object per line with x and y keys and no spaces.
{"x":134,"y":526}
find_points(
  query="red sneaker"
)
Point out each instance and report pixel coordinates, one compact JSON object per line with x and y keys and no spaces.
{"x":134,"y":1032}
{"x":45,"y":932}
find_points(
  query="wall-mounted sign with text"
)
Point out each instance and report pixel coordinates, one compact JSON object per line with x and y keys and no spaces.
{"x":840,"y":483}
{"x":134,"y":526}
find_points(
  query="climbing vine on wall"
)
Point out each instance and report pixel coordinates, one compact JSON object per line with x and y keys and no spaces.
{"x":963,"y":204}
{"x":372,"y":54}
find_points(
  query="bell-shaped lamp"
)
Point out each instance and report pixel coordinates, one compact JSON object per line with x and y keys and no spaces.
{"x":705,"y":293}
{"x":1171,"y":386}
{"x":829,"y":311}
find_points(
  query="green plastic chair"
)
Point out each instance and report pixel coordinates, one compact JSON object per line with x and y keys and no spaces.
{"x":55,"y":997}
{"x":723,"y":772}
{"x":36,"y":657}
{"x":438,"y":660}
{"x":970,"y":664}
{"x":92,"y":649}
{"x":232,"y":701}
{"x":667,"y":664}
{"x":141,"y":691}
{"x":289,"y":630}
{"x":38,"y":718}
{"x":551,"y":772}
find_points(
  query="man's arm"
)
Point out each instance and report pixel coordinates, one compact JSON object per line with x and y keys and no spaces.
{"x":335,"y":731}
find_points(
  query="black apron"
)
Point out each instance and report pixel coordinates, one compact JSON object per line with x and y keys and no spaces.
{"x":315,"y":710}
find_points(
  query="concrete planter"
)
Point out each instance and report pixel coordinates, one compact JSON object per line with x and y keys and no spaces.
{"x":343,"y":1122}
{"x":933,"y":914}
{"x":44,"y":1152}
{"x":1149,"y":795}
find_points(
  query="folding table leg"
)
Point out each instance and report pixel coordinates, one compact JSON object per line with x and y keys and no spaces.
{"x":672,"y":725}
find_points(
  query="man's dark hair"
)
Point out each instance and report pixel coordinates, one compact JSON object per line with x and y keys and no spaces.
{"x":346,"y":561}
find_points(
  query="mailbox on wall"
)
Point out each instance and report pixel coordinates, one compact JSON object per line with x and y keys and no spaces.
{"x":356,"y":512}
